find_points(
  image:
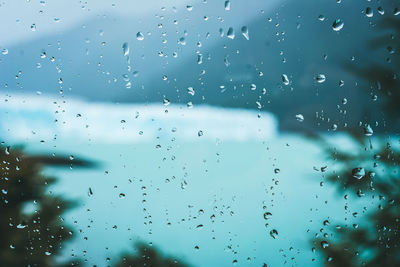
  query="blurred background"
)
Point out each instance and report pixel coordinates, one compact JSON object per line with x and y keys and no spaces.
{"x":199,"y":133}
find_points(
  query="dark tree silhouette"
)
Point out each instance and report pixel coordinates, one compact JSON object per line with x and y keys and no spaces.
{"x":375,"y":241}
{"x":32,"y":229}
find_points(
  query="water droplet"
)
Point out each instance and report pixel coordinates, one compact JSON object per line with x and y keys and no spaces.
{"x":21,"y":226}
{"x":300,"y":117}
{"x":273,"y":233}
{"x":321,"y":17}
{"x":33,"y":27}
{"x":369,"y":12}
{"x":190,"y":90}
{"x":337,"y":25}
{"x":227,"y":5}
{"x":253,"y":87}
{"x":122,"y":195}
{"x":231,"y":33}
{"x":368,"y":130}
{"x":324,"y":244}
{"x":285,"y":79}
{"x":166,"y":102}
{"x":182,"y":41}
{"x":200,"y":133}
{"x":125,"y":49}
{"x":358,"y":173}
{"x":245,"y":32}
{"x":4,"y":51}
{"x":189,"y":8}
{"x":320,"y":78}
{"x":267,"y":215}
{"x":140,"y":36}
{"x":199,"y":58}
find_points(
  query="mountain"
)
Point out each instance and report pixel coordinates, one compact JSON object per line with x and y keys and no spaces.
{"x":292,"y":38}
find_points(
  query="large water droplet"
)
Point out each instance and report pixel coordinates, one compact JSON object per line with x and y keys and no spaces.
{"x":300,"y":117}
{"x":231,"y":33}
{"x":190,"y":90}
{"x":125,"y":49}
{"x":227,"y":5}
{"x":285,"y":79}
{"x":273,"y":233}
{"x":267,"y":215}
{"x":368,"y":130}
{"x":199,"y":58}
{"x":166,"y":102}
{"x":320,"y":78}
{"x":337,"y":25}
{"x":369,"y":12}
{"x":140,"y":36}
{"x":245,"y":32}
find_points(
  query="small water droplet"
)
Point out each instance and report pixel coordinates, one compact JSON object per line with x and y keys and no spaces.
{"x":324,"y":244}
{"x":358,"y":173}
{"x":21,"y":226}
{"x":90,"y":192}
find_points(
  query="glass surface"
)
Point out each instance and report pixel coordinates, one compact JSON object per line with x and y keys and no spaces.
{"x":199,"y":133}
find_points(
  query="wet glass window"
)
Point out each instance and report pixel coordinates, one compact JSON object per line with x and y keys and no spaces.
{"x":200,"y":133}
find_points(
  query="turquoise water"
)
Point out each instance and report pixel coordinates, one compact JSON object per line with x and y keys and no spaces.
{"x":232,"y":180}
